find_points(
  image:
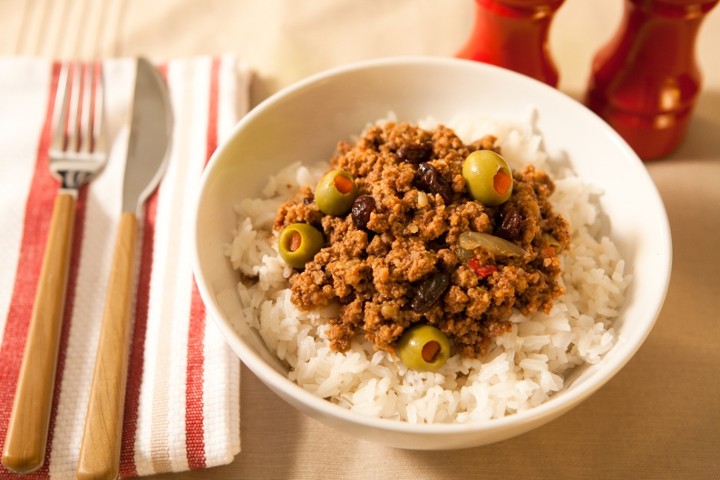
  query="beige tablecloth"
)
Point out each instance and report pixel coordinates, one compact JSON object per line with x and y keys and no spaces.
{"x":658,"y":418}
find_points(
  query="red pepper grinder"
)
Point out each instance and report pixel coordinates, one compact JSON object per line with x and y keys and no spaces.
{"x":514,"y":34}
{"x":644,"y":82}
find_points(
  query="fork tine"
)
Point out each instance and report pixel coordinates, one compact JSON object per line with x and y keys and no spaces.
{"x":75,"y":108}
{"x":98,"y":108}
{"x":79,"y":105}
{"x":85,"y":105}
{"x":59,"y":121}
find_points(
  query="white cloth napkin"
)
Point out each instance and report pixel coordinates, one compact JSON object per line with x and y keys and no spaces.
{"x":182,"y":402}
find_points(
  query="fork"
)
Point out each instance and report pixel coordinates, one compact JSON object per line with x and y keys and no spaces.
{"x":77,"y":151}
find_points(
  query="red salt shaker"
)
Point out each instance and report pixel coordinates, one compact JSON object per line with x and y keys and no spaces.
{"x":644,"y":82}
{"x":514,"y":34}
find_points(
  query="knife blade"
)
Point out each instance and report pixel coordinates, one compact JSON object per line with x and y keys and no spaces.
{"x":148,"y":148}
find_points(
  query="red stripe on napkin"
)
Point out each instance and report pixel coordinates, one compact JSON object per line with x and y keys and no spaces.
{"x":38,"y":212}
{"x":194,"y":418}
{"x":137,"y":347}
{"x":194,"y":426}
{"x":214,"y":95}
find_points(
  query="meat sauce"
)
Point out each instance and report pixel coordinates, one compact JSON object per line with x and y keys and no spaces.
{"x":395,"y":259}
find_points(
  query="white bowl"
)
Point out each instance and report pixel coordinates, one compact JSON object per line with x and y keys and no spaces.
{"x":304,"y":123}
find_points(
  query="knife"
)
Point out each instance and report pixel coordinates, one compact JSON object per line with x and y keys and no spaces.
{"x":150,"y":135}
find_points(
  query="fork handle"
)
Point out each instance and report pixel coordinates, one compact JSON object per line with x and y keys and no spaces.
{"x":24,"y":449}
{"x":100,"y":447}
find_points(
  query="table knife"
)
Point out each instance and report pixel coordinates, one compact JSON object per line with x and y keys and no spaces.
{"x":148,"y":149}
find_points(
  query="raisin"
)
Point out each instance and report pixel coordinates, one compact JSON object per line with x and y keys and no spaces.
{"x":361,"y":209}
{"x":309,"y":199}
{"x":429,"y":291}
{"x":429,"y":179}
{"x":415,"y":153}
{"x":510,"y":222}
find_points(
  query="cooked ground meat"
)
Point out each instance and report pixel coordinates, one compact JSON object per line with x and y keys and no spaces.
{"x":395,"y":260}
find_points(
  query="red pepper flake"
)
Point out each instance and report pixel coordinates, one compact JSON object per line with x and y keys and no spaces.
{"x":481,"y":270}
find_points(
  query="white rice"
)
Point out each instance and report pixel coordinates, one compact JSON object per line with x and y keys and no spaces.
{"x":526,"y":366}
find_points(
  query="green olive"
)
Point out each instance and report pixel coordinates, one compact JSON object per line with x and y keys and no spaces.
{"x":298,"y":244}
{"x":488,"y":177}
{"x":335,"y":192}
{"x":423,"y":347}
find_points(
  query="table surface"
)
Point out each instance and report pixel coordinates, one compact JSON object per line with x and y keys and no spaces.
{"x":658,"y":418}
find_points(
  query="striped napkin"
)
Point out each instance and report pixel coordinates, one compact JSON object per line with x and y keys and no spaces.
{"x":182,"y":402}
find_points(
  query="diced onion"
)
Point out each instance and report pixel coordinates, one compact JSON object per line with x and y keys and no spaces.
{"x":491,"y":243}
{"x":422,"y":199}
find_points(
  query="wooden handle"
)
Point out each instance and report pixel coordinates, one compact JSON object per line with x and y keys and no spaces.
{"x":100,"y":448}
{"x":26,"y":439}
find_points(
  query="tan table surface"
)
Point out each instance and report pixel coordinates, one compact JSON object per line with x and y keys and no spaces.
{"x":658,"y":418}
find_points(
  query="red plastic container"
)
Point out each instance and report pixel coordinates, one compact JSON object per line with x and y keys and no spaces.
{"x":514,"y":34}
{"x":645,"y":81}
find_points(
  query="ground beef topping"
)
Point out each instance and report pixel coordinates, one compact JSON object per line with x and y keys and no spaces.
{"x":395,"y":260}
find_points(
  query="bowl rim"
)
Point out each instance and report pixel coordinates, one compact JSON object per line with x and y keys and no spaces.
{"x":556,"y":404}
